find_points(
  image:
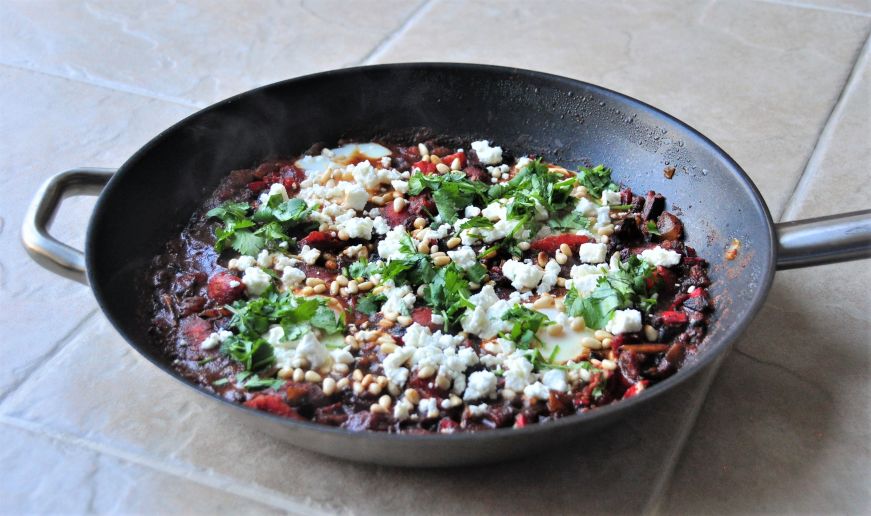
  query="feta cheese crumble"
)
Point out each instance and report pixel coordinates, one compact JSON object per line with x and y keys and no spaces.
{"x":659,"y":256}
{"x":486,"y":154}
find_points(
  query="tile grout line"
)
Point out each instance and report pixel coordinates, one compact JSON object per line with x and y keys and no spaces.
{"x":200,"y":476}
{"x":108,"y":85}
{"x":47,"y":357}
{"x":803,"y":5}
{"x":660,"y":489}
{"x":382,"y":46}
{"x":827,"y":133}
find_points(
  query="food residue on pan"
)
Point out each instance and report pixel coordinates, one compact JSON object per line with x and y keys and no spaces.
{"x":668,"y":172}
{"x":732,"y":250}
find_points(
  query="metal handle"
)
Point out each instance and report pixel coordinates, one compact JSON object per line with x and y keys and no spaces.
{"x":46,"y":250}
{"x":836,"y":238}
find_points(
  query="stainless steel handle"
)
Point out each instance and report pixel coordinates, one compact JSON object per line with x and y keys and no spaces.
{"x":836,"y":238}
{"x":46,"y":250}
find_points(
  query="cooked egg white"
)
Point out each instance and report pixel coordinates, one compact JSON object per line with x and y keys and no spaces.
{"x":341,"y":156}
{"x":569,"y":341}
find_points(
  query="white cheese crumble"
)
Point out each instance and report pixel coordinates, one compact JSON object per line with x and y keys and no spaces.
{"x":523,"y":276}
{"x":399,"y":299}
{"x":659,"y":256}
{"x":592,"y":253}
{"x":472,"y":211}
{"x":400,"y":186}
{"x":481,"y":384}
{"x":464,"y":257}
{"x":586,"y":207}
{"x":256,"y":281}
{"x":610,"y":197}
{"x":274,"y":189}
{"x":487,"y":154}
{"x":603,"y":216}
{"x":537,"y":391}
{"x":309,"y":255}
{"x":241,"y":263}
{"x":380,"y":225}
{"x":585,"y":278}
{"x":292,"y":277}
{"x":548,"y":279}
{"x":485,"y":320}
{"x":478,"y":410}
{"x":312,"y":350}
{"x":624,"y":321}
{"x":519,"y":372}
{"x":358,"y":227}
{"x":555,"y":380}
{"x":215,"y":339}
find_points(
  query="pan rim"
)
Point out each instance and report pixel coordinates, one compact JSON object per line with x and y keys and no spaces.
{"x":721,"y":346}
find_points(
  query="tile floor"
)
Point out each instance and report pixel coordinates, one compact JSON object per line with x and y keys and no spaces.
{"x":784,"y":86}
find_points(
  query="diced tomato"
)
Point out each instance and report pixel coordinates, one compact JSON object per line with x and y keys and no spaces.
{"x":520,"y":421}
{"x":698,"y":292}
{"x":636,"y":388}
{"x":422,"y":315}
{"x":321,"y":240}
{"x":550,"y":244}
{"x":626,"y":196}
{"x":661,"y":277}
{"x":449,"y":159}
{"x":273,"y":404}
{"x":257,"y":186}
{"x":224,"y":288}
{"x":448,"y":426}
{"x":426,"y":167}
{"x":617,"y":341}
{"x":674,"y":318}
{"x":195,"y":330}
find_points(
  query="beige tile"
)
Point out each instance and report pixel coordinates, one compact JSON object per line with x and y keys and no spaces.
{"x":48,"y":476}
{"x":126,"y":404}
{"x":49,"y":125}
{"x":757,"y":78}
{"x":195,"y":52}
{"x":837,"y":178}
{"x":785,"y":427}
{"x":859,"y":7}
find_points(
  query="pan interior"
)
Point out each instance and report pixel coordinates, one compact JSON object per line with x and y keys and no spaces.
{"x":566,"y":121}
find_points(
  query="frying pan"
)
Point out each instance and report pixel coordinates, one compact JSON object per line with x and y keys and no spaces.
{"x":150,"y":198}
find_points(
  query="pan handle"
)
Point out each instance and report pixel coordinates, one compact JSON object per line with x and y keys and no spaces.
{"x":45,"y":249}
{"x":836,"y":238}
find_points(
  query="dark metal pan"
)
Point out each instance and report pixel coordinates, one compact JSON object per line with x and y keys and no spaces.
{"x":153,"y":194}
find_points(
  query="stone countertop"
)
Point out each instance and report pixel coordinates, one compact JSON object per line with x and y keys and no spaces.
{"x":783,"y":86}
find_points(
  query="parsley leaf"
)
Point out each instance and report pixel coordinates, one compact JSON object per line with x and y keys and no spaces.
{"x":652,"y":228}
{"x":625,"y":287}
{"x":450,"y":192}
{"x":362,"y":269}
{"x":526,"y":323}
{"x":266,"y":227}
{"x":571,"y":221}
{"x":477,"y":222}
{"x":370,"y":303}
{"x":448,"y":293}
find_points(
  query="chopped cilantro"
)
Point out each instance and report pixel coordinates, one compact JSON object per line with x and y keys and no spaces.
{"x":526,"y":324}
{"x":596,"y":179}
{"x":625,"y":287}
{"x":571,"y":221}
{"x":477,"y":222}
{"x":362,"y":269}
{"x":265,"y":228}
{"x":222,"y":381}
{"x":370,"y":303}
{"x":652,"y":228}
{"x":448,"y":293}
{"x":255,"y":383}
{"x":451,"y":192}
{"x":414,"y":268}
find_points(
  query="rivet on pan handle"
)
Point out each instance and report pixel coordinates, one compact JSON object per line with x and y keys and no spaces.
{"x":837,"y":238}
{"x":46,"y":250}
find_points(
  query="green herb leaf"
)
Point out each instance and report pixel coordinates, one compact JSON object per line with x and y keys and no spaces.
{"x":596,"y":179}
{"x":370,"y":303}
{"x":652,"y":228}
{"x":526,"y":324}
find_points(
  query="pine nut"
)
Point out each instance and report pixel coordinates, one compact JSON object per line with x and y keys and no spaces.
{"x":386,"y":324}
{"x":555,"y":330}
{"x":377,"y":200}
{"x":342,"y":281}
{"x":434,"y":250}
{"x":404,"y":320}
{"x":578,"y":324}
{"x":590,"y":342}
{"x":561,"y":258}
{"x":602,"y":335}
{"x":443,"y":382}
{"x":358,"y":388}
{"x":423,"y":247}
{"x":650,"y":333}
{"x":343,"y":384}
{"x":311,"y":282}
{"x":391,"y":315}
{"x":357,"y":375}
{"x":606,"y":343}
{"x":453,"y":242}
{"x":285,"y":373}
{"x":435,"y":160}
{"x":385,"y":401}
{"x":420,"y":222}
{"x":566,"y":250}
{"x":319,"y":289}
{"x":606,"y":230}
{"x":388,"y":348}
{"x":441,"y":261}
{"x":367,"y":380}
{"x":366,"y":286}
{"x":307,"y":291}
{"x":508,"y":394}
{"x":524,"y":246}
{"x":455,"y":164}
{"x":343,"y":235}
{"x":426,"y":372}
{"x":542,"y":259}
{"x":340,"y":368}
{"x":374,"y":389}
{"x":352,"y":287}
{"x":442,"y":168}
{"x":298,"y":375}
{"x":412,"y":396}
{"x":561,"y":282}
{"x":399,"y":204}
{"x":545,"y":301}
{"x":329,"y":386}
{"x":334,"y":289}
{"x":424,"y":152}
{"x":312,"y":377}
{"x":604,"y":239}
{"x":610,"y":365}
{"x":376,"y":408}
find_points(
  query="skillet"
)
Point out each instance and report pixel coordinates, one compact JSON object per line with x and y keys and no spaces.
{"x":151,"y":196}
